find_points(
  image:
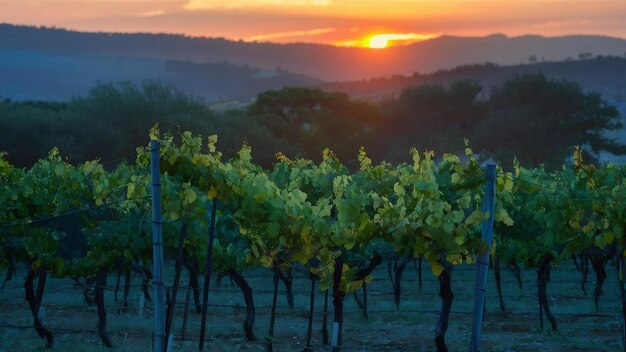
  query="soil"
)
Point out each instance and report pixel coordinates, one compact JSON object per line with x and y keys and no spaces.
{"x":411,"y":328}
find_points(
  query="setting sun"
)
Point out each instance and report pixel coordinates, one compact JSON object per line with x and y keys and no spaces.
{"x":381,"y":41}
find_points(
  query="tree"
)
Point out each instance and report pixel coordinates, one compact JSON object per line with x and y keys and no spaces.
{"x":539,"y":120}
{"x":133,"y":109}
{"x":311,"y":119}
{"x":50,"y":125}
{"x":113,"y":119}
{"x":433,"y":117}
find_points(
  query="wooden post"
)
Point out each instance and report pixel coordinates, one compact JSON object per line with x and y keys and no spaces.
{"x":157,"y":249}
{"x":309,"y":331}
{"x":172,"y":306}
{"x":620,"y":281}
{"x":270,"y":339}
{"x":482,"y":264}
{"x":338,"y":305}
{"x":183,"y":329}
{"x":207,"y":274}
{"x":325,"y":319}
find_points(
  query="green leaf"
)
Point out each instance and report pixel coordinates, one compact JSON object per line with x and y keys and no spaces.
{"x":189,"y":196}
{"x":436,"y":268}
{"x":273,"y":229}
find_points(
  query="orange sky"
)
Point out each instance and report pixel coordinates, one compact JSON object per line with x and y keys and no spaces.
{"x":342,"y":22}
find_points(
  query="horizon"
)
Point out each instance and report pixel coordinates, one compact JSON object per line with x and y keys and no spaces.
{"x":365,"y":39}
{"x":330,"y":22}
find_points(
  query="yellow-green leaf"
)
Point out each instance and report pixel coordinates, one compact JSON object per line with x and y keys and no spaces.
{"x":189,"y":196}
{"x":436,"y":268}
{"x":609,"y":237}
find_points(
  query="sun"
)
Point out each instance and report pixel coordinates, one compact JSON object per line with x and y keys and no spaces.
{"x":379,"y":41}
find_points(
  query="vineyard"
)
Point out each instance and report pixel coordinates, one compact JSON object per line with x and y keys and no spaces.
{"x":349,"y":249}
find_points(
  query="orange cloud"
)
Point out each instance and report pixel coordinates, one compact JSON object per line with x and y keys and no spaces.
{"x":304,"y":33}
{"x":154,"y":13}
{"x":233,"y":4}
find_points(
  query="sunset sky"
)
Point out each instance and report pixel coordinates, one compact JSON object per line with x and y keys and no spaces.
{"x":338,"y":22}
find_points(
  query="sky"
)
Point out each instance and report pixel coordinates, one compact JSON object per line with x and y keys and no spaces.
{"x":335,"y":22}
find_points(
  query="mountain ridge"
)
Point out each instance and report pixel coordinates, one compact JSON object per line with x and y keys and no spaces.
{"x":339,"y":63}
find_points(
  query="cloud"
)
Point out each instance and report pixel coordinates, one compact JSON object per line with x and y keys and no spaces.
{"x":234,"y":4}
{"x":349,"y":43}
{"x":154,"y":13}
{"x":302,"y":33}
{"x":561,"y":24}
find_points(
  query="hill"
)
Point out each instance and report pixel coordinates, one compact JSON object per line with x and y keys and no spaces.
{"x":324,"y":62}
{"x":603,"y":74}
{"x":38,"y":75}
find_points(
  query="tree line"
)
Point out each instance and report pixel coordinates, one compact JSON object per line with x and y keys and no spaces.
{"x":531,"y":117}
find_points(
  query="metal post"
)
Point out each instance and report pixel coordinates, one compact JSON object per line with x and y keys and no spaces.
{"x":483,"y":261}
{"x":157,"y":249}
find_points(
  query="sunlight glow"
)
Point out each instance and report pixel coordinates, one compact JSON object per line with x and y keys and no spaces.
{"x":235,"y":4}
{"x":272,"y":36}
{"x":381,"y":41}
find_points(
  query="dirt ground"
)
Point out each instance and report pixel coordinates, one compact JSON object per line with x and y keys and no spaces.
{"x":411,"y":328}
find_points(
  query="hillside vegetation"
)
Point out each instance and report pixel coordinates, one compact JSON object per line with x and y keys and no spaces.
{"x":531,"y":117}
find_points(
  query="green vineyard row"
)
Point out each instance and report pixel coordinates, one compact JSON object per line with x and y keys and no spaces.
{"x":322,"y":216}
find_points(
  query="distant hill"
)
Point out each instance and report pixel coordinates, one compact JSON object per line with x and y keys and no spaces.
{"x":56,"y":64}
{"x":39,"y":75}
{"x":322,"y":62}
{"x":605,"y":75}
